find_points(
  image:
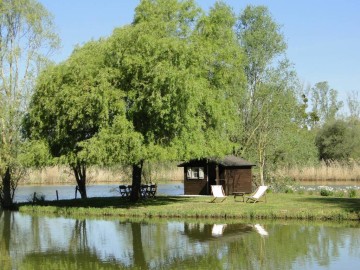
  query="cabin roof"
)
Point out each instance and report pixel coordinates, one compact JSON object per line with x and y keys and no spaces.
{"x":227,"y":161}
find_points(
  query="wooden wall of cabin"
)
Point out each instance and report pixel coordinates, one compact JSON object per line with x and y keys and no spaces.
{"x":195,"y":186}
{"x":238,"y":180}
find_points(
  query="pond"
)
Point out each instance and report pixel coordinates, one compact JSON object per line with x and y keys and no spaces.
{"x":40,"y":242}
{"x":25,"y":193}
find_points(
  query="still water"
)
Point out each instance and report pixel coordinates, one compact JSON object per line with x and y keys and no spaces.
{"x":64,"y":192}
{"x":38,"y":242}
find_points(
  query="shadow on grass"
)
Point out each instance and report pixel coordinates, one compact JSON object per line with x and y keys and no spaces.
{"x":112,"y":202}
{"x":348,"y":204}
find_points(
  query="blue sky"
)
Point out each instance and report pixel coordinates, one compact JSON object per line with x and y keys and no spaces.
{"x":323,"y":36}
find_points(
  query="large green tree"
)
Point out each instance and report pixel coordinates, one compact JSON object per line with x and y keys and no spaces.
{"x":339,"y":140}
{"x":268,"y":107}
{"x":161,"y":88}
{"x":172,"y":66}
{"x":73,"y":101}
{"x":26,"y":37}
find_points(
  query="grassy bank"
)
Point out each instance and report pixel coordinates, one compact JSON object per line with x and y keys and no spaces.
{"x":278,"y":206}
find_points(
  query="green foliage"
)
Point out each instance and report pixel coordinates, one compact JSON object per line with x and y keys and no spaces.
{"x":339,"y":193}
{"x":339,"y":140}
{"x":326,"y":191}
{"x":269,"y":106}
{"x":324,"y":102}
{"x":162,"y":88}
{"x":26,"y":39}
{"x":283,"y":184}
{"x":352,"y":193}
{"x":176,"y":80}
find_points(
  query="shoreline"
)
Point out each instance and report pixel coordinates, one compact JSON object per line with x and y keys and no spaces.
{"x":277,"y":207}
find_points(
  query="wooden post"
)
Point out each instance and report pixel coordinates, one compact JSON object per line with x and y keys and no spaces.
{"x":57,"y":195}
{"x":34,"y":197}
{"x":217,"y":175}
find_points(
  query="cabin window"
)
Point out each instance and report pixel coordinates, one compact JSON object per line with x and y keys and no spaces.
{"x":195,"y":173}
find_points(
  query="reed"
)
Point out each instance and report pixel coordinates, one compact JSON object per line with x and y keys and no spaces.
{"x":324,"y":171}
{"x":163,"y":172}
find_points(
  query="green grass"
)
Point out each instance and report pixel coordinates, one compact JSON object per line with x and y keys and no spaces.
{"x":278,"y":206}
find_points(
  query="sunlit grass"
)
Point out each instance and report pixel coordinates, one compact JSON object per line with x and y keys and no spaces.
{"x":278,"y":206}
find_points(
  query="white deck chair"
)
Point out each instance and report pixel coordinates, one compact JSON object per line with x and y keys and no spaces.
{"x":260,"y":191}
{"x":218,"y":192}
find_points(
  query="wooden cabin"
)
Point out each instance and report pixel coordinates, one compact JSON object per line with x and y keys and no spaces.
{"x":232,"y":172}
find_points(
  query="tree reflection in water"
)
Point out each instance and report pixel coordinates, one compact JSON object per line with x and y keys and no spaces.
{"x":31,"y":242}
{"x":5,"y":232}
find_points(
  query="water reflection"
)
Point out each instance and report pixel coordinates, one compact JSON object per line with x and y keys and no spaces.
{"x":30,"y":242}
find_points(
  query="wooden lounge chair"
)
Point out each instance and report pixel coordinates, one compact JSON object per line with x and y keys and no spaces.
{"x":259,"y":192}
{"x":218,"y":193}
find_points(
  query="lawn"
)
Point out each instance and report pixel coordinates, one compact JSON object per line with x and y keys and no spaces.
{"x":278,"y":206}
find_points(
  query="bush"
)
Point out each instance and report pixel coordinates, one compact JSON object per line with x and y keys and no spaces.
{"x":301,"y":191}
{"x":326,"y":191}
{"x":352,"y":193}
{"x":340,"y":194}
{"x":283,"y":184}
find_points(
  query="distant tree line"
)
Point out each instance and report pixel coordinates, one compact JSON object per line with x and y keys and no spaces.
{"x":176,"y":84}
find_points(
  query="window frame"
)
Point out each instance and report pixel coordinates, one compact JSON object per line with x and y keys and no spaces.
{"x":195,"y":173}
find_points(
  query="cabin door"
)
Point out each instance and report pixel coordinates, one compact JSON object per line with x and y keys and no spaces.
{"x":211,"y":177}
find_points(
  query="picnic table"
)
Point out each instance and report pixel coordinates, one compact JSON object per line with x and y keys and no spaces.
{"x":239,"y":193}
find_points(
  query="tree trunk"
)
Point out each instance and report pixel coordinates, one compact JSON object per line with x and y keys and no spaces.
{"x":6,"y":199}
{"x":136,"y":181}
{"x":80,"y":176}
{"x":262,"y":166}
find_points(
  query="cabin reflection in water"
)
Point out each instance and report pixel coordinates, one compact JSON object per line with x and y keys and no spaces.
{"x":205,"y":232}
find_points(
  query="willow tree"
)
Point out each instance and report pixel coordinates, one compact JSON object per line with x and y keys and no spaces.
{"x":26,"y":38}
{"x":72,"y":102}
{"x":169,"y":70}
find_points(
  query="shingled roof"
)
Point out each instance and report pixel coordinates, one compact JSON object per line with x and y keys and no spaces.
{"x":227,"y":161}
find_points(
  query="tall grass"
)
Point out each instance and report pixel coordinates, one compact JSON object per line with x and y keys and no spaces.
{"x":329,"y":171}
{"x":63,"y":175}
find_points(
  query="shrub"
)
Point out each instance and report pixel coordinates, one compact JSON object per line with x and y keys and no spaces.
{"x":289,"y":189}
{"x":326,"y":191}
{"x":340,"y":194}
{"x":283,"y":184}
{"x":301,"y":191}
{"x":352,"y":193}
